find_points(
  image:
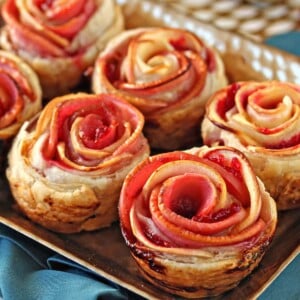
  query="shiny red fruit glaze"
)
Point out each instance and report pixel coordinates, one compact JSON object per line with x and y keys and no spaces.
{"x":112,"y":70}
{"x":210,"y":61}
{"x":293,"y":141}
{"x":179,"y":44}
{"x":228,"y":101}
{"x":232,"y":174}
{"x":219,"y":215}
{"x":95,"y":133}
{"x":268,"y":131}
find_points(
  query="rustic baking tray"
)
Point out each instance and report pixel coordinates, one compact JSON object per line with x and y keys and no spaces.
{"x":104,"y":252}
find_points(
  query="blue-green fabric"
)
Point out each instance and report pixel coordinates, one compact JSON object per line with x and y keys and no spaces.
{"x":289,"y":42}
{"x":29,"y":271}
{"x":287,"y":284}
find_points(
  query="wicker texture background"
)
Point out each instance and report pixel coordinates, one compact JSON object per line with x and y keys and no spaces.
{"x":255,"y":19}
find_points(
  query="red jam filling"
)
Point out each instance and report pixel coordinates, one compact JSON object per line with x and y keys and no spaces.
{"x":179,"y":44}
{"x":292,"y":142}
{"x":188,"y":194}
{"x":95,"y":134}
{"x":230,"y":170}
{"x":228,"y":101}
{"x":219,"y":215}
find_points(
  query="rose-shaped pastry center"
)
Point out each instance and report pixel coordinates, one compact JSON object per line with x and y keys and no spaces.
{"x":153,"y":60}
{"x":158,"y":67}
{"x":85,"y":132}
{"x":63,"y":17}
{"x":183,"y":200}
{"x":46,"y":27}
{"x":95,"y":133}
{"x":10,"y":105}
{"x":188,"y":195}
{"x":261,"y":114}
{"x":16,"y":92}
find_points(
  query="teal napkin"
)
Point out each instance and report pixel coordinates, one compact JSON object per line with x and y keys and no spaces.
{"x":287,"y":284}
{"x":30,"y":271}
{"x":289,"y":42}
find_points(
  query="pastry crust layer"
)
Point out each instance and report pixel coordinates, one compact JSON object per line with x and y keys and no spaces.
{"x":76,"y":197}
{"x":166,"y":73}
{"x":191,"y":233}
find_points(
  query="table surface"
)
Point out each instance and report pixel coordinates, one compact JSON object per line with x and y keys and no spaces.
{"x":257,"y":20}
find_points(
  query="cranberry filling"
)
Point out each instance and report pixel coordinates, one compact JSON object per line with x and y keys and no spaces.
{"x":228,"y":101}
{"x":189,"y":195}
{"x":220,"y":215}
{"x":292,"y":142}
{"x":179,"y":44}
{"x":95,"y":133}
{"x":8,"y":93}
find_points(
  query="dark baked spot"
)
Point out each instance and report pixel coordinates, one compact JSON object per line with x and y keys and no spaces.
{"x":149,"y":258}
{"x":49,"y":201}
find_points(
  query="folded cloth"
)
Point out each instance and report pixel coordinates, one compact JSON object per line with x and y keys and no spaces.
{"x":30,"y":271}
{"x":286,"y":41}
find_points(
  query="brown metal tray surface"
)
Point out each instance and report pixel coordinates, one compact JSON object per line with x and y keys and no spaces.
{"x":104,"y":251}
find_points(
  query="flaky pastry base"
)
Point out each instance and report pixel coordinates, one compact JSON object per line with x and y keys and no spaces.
{"x":172,"y":127}
{"x":60,"y":75}
{"x":69,"y":204}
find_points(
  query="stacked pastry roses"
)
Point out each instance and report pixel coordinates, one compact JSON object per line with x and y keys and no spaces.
{"x":168,"y":74}
{"x":196,"y":222}
{"x":20,"y":94}
{"x":59,"y":39}
{"x":261,"y":119}
{"x":67,"y":166}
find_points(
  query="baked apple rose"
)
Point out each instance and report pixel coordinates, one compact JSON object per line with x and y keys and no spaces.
{"x":20,"y":94}
{"x":261,"y":119}
{"x":196,"y":221}
{"x":67,"y":167}
{"x":168,"y":74}
{"x":60,"y":39}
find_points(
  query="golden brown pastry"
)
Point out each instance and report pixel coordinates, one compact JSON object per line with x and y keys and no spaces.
{"x":196,"y":222}
{"x":168,"y":74}
{"x":66,"y":168}
{"x":20,"y":94}
{"x":59,"y":39}
{"x":261,"y":119}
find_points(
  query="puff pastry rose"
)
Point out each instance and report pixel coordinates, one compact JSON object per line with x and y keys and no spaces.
{"x":59,"y":39}
{"x":196,"y":222}
{"x":20,"y":94}
{"x":262,"y":119}
{"x":66,"y":168}
{"x":168,"y":74}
